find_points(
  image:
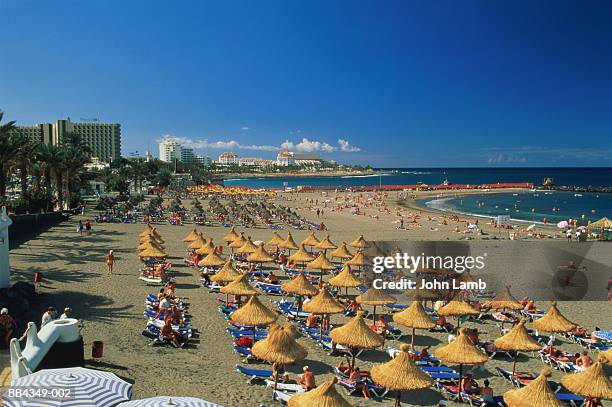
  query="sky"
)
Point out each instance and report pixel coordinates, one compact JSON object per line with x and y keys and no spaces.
{"x":385,"y":83}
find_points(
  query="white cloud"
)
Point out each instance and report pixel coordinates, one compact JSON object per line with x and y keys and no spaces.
{"x":346,"y":147}
{"x":308,"y":146}
{"x":219,"y":145}
{"x":304,"y":146}
{"x":245,"y":128}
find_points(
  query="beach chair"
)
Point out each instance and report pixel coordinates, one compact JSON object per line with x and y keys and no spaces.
{"x":571,"y":399}
{"x":437,"y":369}
{"x":352,"y":385}
{"x":254,"y":374}
{"x":286,"y":387}
{"x":281,"y":397}
{"x":272,"y":289}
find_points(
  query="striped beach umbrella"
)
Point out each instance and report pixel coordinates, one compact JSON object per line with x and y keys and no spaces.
{"x":73,"y":387}
{"x":165,"y":401}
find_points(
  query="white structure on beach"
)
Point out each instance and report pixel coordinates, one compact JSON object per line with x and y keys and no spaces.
{"x":285,"y":158}
{"x":39,"y":343}
{"x":5,"y":267}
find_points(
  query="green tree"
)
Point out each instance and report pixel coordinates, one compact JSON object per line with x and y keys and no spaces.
{"x":8,"y":149}
{"x":163,"y":178}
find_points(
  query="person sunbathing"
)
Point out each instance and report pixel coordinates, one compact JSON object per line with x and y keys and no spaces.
{"x":469,"y":385}
{"x":306,"y":379}
{"x":168,"y":334}
{"x":530,"y":306}
{"x":312,"y":321}
{"x":486,"y":392}
{"x":343,"y":368}
{"x":360,"y":384}
{"x":244,"y":341}
{"x":272,"y":278}
{"x":584,"y":361}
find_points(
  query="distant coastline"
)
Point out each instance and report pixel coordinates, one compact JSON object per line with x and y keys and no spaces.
{"x":309,"y":174}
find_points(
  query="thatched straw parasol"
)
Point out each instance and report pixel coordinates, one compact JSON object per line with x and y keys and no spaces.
{"x":206,"y":248}
{"x":239,"y":286}
{"x":279,"y":347}
{"x":423,"y":294}
{"x":301,"y":256}
{"x":503,"y":300}
{"x":212,"y":260}
{"x":238,"y":242}
{"x":536,"y":393}
{"x":341,"y":252}
{"x":260,"y":255}
{"x":345,"y":279}
{"x":374,"y":251}
{"x":592,"y":383}
{"x":553,"y":321}
{"x":517,"y":340}
{"x":230,"y":236}
{"x":150,"y":238}
{"x":321,"y":262}
{"x":146,"y":231}
{"x":463,"y":352}
{"x":359,"y":243}
{"x":192,"y":236}
{"x":324,"y":304}
{"x":401,"y":374}
{"x":311,"y":240}
{"x":227,"y":273}
{"x":248,"y":247}
{"x":299,"y":286}
{"x":254,"y":313}
{"x":151,"y":243}
{"x":356,"y":335}
{"x":152,"y":252}
{"x":276,"y":240}
{"x":325,"y":395}
{"x":288,"y":243}
{"x":196,"y":244}
{"x":457,"y":308}
{"x":608,"y":355}
{"x":375,"y":297}
{"x":326,"y":244}
{"x":414,"y":317}
{"x":357,"y":260}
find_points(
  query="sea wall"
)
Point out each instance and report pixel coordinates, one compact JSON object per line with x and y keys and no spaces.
{"x":25,"y":227}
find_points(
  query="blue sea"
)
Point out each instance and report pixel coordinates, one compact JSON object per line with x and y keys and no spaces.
{"x":528,"y":206}
{"x":600,"y":177}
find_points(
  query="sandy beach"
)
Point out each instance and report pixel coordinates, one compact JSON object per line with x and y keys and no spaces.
{"x":110,"y":307}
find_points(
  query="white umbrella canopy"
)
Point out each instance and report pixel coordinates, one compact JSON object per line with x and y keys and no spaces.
{"x":81,"y":388}
{"x":167,"y":401}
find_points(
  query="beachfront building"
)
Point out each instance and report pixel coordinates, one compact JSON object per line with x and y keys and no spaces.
{"x":285,"y":158}
{"x":202,"y":160}
{"x":229,"y":158}
{"x":187,"y":155}
{"x":170,"y":150}
{"x":104,"y":139}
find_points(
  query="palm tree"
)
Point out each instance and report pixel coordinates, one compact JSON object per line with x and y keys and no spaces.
{"x":23,"y":161}
{"x":7,"y":150}
{"x":52,"y":159}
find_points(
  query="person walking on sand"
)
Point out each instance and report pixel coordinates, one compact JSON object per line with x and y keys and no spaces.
{"x":80,"y":228}
{"x":110,"y":261}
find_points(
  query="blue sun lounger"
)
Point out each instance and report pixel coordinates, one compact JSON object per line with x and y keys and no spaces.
{"x":274,"y":289}
{"x":437,"y":369}
{"x":571,"y":399}
{"x":444,"y":376}
{"x":254,"y":374}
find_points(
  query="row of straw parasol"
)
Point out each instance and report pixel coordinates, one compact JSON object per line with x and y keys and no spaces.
{"x":151,"y":244}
